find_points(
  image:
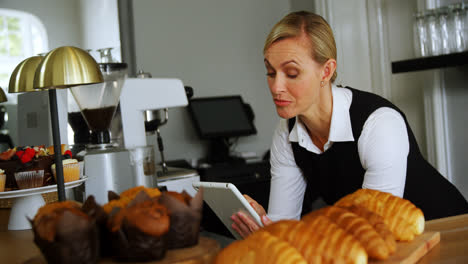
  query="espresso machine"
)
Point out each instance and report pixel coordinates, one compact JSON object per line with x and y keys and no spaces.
{"x":171,"y":178}
{"x":150,"y":94}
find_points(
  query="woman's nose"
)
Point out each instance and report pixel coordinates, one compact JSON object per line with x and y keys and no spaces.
{"x":277,"y":85}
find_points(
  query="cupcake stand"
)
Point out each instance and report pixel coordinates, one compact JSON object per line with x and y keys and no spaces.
{"x":26,"y":202}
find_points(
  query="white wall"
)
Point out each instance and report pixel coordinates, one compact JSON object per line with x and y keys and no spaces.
{"x":406,"y":88}
{"x":456,"y":93}
{"x":215,"y":47}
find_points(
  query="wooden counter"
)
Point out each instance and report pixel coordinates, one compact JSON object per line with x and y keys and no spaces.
{"x":453,"y":246}
{"x":18,"y":246}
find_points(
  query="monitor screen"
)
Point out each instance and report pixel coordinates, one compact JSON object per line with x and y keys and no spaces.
{"x":221,"y":117}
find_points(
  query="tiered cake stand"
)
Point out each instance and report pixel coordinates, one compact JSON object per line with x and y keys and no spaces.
{"x":26,"y":202}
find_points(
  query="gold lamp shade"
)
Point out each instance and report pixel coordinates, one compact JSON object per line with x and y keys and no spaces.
{"x":3,"y":97}
{"x":66,"y":67}
{"x":22,"y":78}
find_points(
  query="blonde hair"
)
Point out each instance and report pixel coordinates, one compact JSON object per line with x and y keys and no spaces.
{"x":314,"y":27}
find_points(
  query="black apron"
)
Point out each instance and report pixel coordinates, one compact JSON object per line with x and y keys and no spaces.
{"x":338,"y":171}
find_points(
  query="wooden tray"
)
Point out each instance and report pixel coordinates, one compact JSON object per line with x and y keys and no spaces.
{"x":411,"y":252}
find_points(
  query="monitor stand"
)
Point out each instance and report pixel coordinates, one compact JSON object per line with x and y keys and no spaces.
{"x":219,"y":152}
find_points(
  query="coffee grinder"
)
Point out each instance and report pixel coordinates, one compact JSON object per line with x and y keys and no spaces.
{"x":105,"y":163}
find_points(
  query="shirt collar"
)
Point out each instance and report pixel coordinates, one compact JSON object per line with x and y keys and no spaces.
{"x":340,"y":127}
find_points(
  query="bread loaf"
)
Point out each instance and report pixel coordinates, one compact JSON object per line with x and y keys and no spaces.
{"x":319,"y":240}
{"x":356,"y":226}
{"x":402,"y":217}
{"x":378,"y":223}
{"x":260,"y":247}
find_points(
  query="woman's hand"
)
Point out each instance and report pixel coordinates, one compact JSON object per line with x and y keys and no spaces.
{"x":244,"y":224}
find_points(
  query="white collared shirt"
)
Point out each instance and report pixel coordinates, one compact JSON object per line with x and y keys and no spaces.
{"x":383,"y":149}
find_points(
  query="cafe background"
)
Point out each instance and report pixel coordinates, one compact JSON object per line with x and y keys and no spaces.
{"x":216,"y":48}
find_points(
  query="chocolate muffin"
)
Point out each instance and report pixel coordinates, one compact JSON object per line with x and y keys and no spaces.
{"x":138,"y":231}
{"x":65,"y":234}
{"x":185,"y":213}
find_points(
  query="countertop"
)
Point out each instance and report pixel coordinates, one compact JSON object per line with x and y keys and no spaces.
{"x":18,"y":246}
{"x":453,"y":245}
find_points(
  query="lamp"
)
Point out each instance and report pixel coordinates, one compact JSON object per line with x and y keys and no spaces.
{"x":22,"y":78}
{"x":3,"y":97}
{"x":64,"y":67}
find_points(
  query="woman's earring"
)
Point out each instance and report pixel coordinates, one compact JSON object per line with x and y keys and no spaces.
{"x":321,"y":84}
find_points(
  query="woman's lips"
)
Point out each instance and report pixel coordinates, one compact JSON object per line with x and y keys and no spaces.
{"x":281,"y":102}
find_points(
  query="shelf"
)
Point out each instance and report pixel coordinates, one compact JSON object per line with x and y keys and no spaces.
{"x":427,"y":63}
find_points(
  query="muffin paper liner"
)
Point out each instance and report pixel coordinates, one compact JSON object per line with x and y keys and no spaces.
{"x":29,"y":179}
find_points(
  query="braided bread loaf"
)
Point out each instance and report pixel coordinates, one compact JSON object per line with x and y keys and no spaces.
{"x":260,"y":247}
{"x":378,"y":223}
{"x":320,"y":241}
{"x":402,"y":217}
{"x":356,"y":226}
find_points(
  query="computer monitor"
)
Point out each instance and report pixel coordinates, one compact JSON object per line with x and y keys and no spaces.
{"x":220,"y":118}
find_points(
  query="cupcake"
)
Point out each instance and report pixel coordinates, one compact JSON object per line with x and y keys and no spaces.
{"x":185,"y":213}
{"x":2,"y":180}
{"x":29,"y":179}
{"x":65,"y":234}
{"x":138,"y":231}
{"x":71,"y":170}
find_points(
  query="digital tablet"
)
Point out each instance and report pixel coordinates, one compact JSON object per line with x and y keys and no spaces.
{"x":225,"y":200}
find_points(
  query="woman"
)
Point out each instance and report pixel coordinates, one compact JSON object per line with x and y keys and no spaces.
{"x":333,"y":140}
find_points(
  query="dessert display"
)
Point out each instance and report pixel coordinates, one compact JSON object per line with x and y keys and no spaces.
{"x":363,"y":225}
{"x":29,"y":167}
{"x":65,"y":234}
